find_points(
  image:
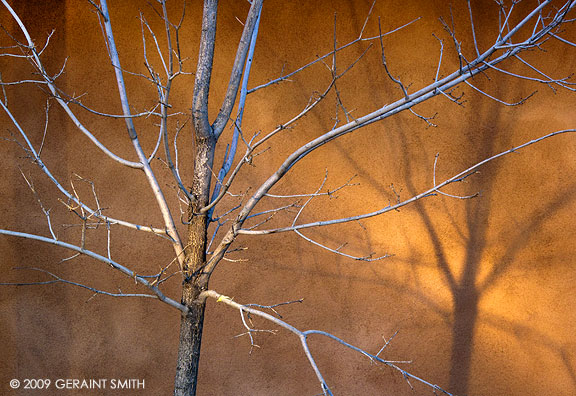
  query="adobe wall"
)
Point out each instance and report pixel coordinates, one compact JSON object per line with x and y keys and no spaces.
{"x":480,"y":291}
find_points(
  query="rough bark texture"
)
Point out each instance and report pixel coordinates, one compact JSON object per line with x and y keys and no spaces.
{"x":191,"y":325}
{"x":195,"y":280}
{"x":190,"y":341}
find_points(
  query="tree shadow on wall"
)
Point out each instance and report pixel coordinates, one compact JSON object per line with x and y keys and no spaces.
{"x":463,"y":287}
{"x":473,"y":277}
{"x":466,"y":286}
{"x":469,"y":280}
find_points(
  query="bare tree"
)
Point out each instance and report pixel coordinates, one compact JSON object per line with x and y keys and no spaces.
{"x":213,"y":211}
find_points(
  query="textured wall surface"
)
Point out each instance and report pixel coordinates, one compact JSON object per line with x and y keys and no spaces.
{"x":481,"y":291}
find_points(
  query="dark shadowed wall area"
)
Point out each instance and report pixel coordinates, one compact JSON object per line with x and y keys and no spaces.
{"x":481,"y":291}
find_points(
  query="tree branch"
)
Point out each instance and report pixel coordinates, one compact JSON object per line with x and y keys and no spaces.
{"x":428,"y":193}
{"x":204,"y":70}
{"x":36,"y":158}
{"x":37,"y":63}
{"x":113,"y":264}
{"x":235,"y":77}
{"x":171,"y":230}
{"x":303,"y":337}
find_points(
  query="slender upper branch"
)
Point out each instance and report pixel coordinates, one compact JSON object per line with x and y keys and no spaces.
{"x":360,"y":38}
{"x":204,"y":70}
{"x":35,"y":59}
{"x":158,"y":194}
{"x":236,"y":76}
{"x":232,"y":148}
{"x":428,"y":193}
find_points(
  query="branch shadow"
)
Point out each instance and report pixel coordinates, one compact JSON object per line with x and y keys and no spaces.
{"x":466,"y":280}
{"x":466,"y":288}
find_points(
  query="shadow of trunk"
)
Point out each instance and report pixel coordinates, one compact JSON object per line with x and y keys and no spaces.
{"x":461,"y":280}
{"x":465,"y":315}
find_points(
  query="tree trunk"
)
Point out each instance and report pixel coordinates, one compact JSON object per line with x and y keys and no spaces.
{"x":195,"y":279}
{"x":190,"y":342}
{"x":195,"y":282}
{"x":191,"y":324}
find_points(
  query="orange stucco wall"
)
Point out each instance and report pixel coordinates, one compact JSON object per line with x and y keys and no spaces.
{"x":480,"y":291}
